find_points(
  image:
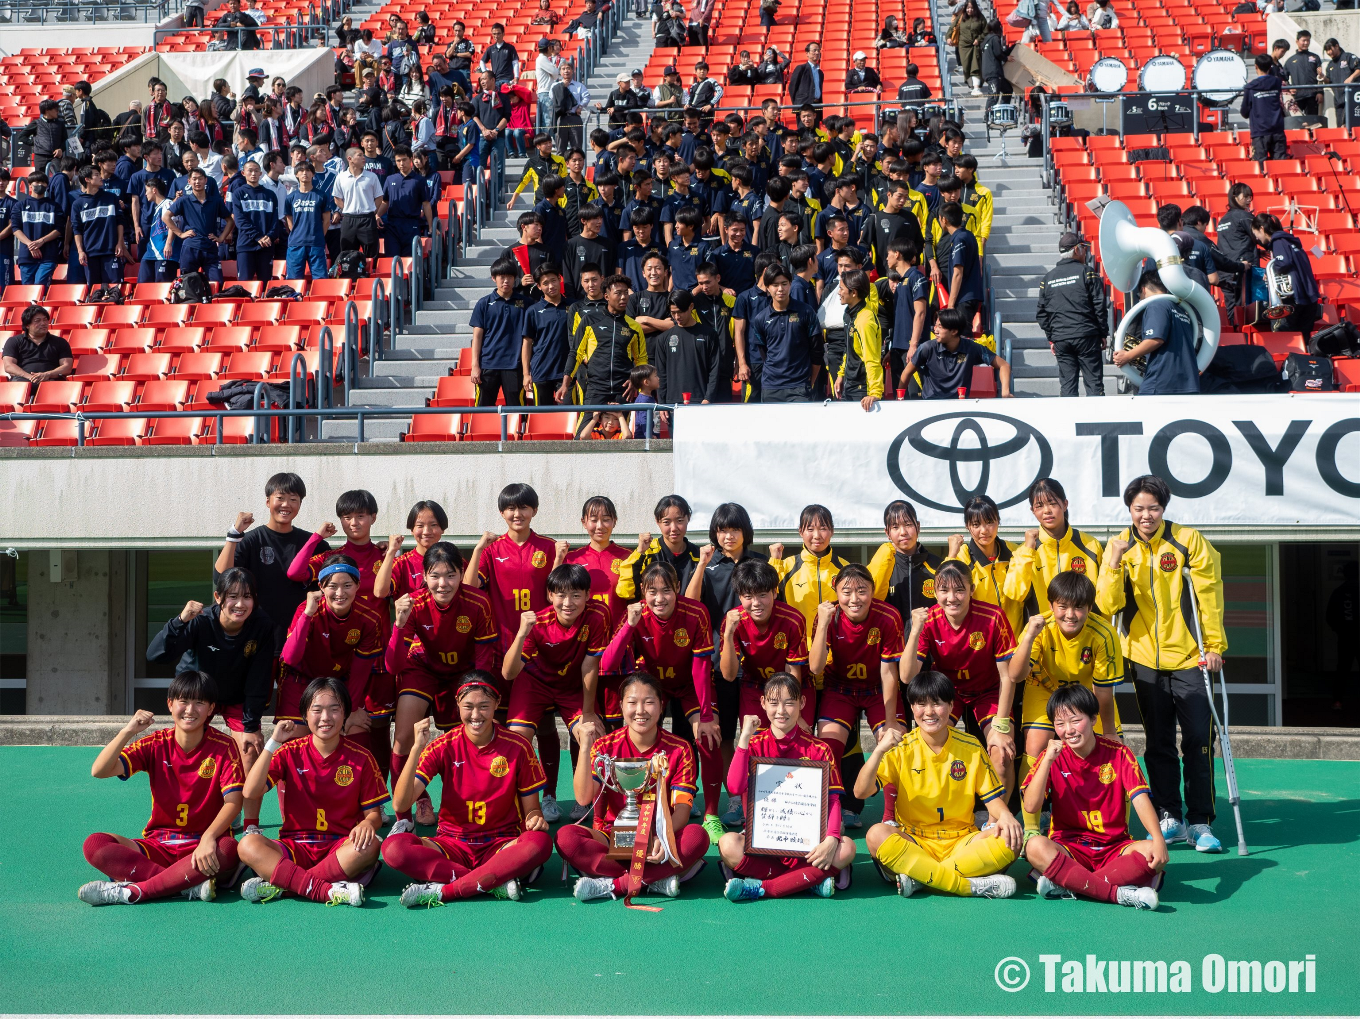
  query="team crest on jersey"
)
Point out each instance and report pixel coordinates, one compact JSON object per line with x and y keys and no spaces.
{"x":500,"y":767}
{"x":874,"y":636}
{"x":977,"y":640}
{"x":377,"y":564}
{"x":1106,"y":774}
{"x":250,"y":648}
{"x":958,"y":771}
{"x":344,"y":775}
{"x":781,"y":641}
{"x":614,"y":565}
{"x":1086,"y":656}
{"x":1168,"y":562}
{"x":208,"y":768}
{"x":266,"y":555}
{"x":538,"y":560}
{"x":584,"y":635}
{"x":352,"y":637}
{"x":1077,"y":565}
{"x":463,"y":624}
{"x":928,"y":589}
{"x":681,"y":638}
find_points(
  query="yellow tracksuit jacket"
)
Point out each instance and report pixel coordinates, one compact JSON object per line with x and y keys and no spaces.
{"x":1032,"y":569}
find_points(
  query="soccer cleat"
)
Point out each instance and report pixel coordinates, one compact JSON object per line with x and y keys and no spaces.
{"x":992,"y":886}
{"x":849,"y":819}
{"x":667,"y":886}
{"x":1137,"y":896}
{"x":825,"y":888}
{"x":578,"y":811}
{"x":588,"y":888}
{"x":552,"y":813}
{"x":1049,"y":890}
{"x":694,"y":871}
{"x":346,"y":893}
{"x":714,"y":826}
{"x":743,"y":889}
{"x":401,"y":826}
{"x":105,"y":893}
{"x":510,"y":890}
{"x":424,"y":810}
{"x":427,"y":895}
{"x":204,"y":892}
{"x":735,"y":815}
{"x":1202,"y":837}
{"x":252,"y":829}
{"x":1173,"y":829}
{"x":257,"y":889}
{"x":907,"y":886}
{"x":388,"y":818}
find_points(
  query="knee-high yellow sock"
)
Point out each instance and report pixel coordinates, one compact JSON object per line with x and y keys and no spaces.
{"x":902,"y":856}
{"x":980,"y":857}
{"x":1030,"y":819}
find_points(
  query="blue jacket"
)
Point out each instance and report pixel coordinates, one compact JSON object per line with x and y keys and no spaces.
{"x":256,"y":212}
{"x":1261,"y":105}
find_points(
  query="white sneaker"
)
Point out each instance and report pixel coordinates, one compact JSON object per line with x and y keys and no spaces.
{"x":669,"y":887}
{"x":1049,"y":890}
{"x":1137,"y":896}
{"x":588,"y":888}
{"x":205,"y":892}
{"x":849,"y":819}
{"x":510,"y":890}
{"x":346,"y":893}
{"x":252,"y":829}
{"x":1202,"y":837}
{"x":552,"y":813}
{"x":1173,"y":828}
{"x":257,"y":889}
{"x":428,"y":895}
{"x":992,"y":886}
{"x":401,"y":826}
{"x":906,"y":886}
{"x":105,"y":893}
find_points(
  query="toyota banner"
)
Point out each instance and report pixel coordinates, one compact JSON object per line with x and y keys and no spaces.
{"x":1230,"y":460}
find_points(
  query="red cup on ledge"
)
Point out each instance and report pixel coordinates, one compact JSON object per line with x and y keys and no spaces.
{"x":963,"y":392}
{"x":901,"y":394}
{"x":685,"y":397}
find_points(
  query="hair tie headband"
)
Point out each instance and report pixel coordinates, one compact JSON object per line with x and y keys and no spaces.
{"x":326,"y":571}
{"x":477,"y":684}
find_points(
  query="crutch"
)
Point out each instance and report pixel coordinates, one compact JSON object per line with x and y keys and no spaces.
{"x":1225,"y":744}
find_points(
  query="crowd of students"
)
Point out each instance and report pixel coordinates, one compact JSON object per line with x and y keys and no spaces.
{"x":365,"y":648}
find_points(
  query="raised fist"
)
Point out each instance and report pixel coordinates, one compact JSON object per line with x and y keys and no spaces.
{"x":956,"y":542}
{"x":403,"y":611}
{"x":1032,"y":538}
{"x":826,"y":612}
{"x":394,"y":543}
{"x":327,"y":530}
{"x":527,"y":619}
{"x":918,"y":619}
{"x":635,"y":613}
{"x":314,"y":599}
{"x":284,"y":730}
{"x":191,"y":609}
{"x":1035,"y":624}
{"x":1116,"y":549}
{"x":777,"y":550}
{"x":243,"y":521}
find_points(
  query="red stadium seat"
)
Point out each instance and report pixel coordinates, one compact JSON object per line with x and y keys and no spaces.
{"x":56,"y":396}
{"x":330,"y":289}
{"x":251,"y":364}
{"x":151,"y":293}
{"x":59,"y":294}
{"x":163,"y":316}
{"x":164,"y":394}
{"x":173,"y":432}
{"x":487,"y":427}
{"x":454,"y":391}
{"x":984,"y":382}
{"x":1281,"y":345}
{"x":129,"y":341}
{"x":16,"y":433}
{"x":1346,"y":373}
{"x":93,"y":367}
{"x":433,"y":428}
{"x":118,"y":432}
{"x":21,"y":294}
{"x":182,"y":339}
{"x":115,"y":316}
{"x":260,"y":313}
{"x":88,"y":341}
{"x":550,"y":425}
{"x":12,"y":395}
{"x":202,"y":365}
{"x":212,"y":314}
{"x":228,"y":339}
{"x":74,"y":316}
{"x":277,"y":338}
{"x":117,"y":394}
{"x":235,"y":430}
{"x":59,"y":432}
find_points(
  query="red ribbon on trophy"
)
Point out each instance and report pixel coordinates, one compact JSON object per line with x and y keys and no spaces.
{"x":652,"y":807}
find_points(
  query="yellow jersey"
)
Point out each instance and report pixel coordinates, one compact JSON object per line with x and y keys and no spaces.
{"x":1091,"y":658}
{"x":936,"y":792}
{"x":1032,"y":569}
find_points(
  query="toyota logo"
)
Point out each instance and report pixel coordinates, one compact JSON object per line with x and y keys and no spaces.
{"x":1008,"y":438}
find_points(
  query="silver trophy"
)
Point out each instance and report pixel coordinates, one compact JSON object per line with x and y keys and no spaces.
{"x":629,"y":776}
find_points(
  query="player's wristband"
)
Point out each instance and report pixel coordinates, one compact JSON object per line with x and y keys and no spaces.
{"x":272,"y":746}
{"x":234,"y":535}
{"x":1002,"y":725}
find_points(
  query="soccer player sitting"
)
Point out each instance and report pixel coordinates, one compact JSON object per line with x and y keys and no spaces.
{"x":971,"y":643}
{"x":856,"y":648}
{"x":328,"y":842}
{"x":1076,"y":646}
{"x":331,"y":635}
{"x":1092,"y":780}
{"x":586,"y":849}
{"x":558,"y":649}
{"x":491,"y":831}
{"x":758,"y":877}
{"x":195,"y":774}
{"x":669,"y":637}
{"x":939,"y":771}
{"x":761,"y":638}
{"x":440,"y":633}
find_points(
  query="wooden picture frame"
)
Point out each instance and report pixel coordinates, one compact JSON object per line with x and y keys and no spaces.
{"x":807,"y":800}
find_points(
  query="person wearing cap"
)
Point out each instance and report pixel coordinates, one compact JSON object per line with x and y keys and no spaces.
{"x":703,"y":94}
{"x":641,"y":90}
{"x":254,"y":81}
{"x":861,"y":77}
{"x":617,"y":104}
{"x":1073,"y":312}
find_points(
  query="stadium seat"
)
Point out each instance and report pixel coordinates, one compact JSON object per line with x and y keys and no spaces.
{"x":228,"y":339}
{"x":433,"y":428}
{"x":115,"y":316}
{"x":16,"y":433}
{"x":984,"y":382}
{"x":116,"y":394}
{"x":1346,"y":373}
{"x":163,"y":316}
{"x":145,"y":367}
{"x":151,"y":293}
{"x":487,"y":427}
{"x":454,"y":391}
{"x":330,"y":289}
{"x":1281,"y":345}
{"x":550,"y":425}
{"x":203,"y":365}
{"x":173,"y":432}
{"x":56,"y":396}
{"x":235,"y":430}
{"x":163,"y":394}
{"x":74,"y":316}
{"x":12,"y":395}
{"x":19,"y":295}
{"x":93,"y":367}
{"x":250,"y":364}
{"x":277,"y":338}
{"x":59,"y":294}
{"x":132,"y":340}
{"x":58,"y":432}
{"x":88,"y":341}
{"x":118,"y":432}
{"x":261,"y":313}
{"x":212,"y":314}
{"x":182,"y":339}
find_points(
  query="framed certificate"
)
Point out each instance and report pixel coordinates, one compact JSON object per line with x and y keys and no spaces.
{"x":786,"y":805}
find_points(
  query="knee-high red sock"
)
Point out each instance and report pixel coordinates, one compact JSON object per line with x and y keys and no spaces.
{"x":314,"y":884}
{"x":711,"y":774}
{"x":1068,"y":873}
{"x":396,"y":764}
{"x":837,"y":745}
{"x":183,"y":874}
{"x":117,"y":861}
{"x":1130,"y":869}
{"x":550,"y":752}
{"x":580,"y":849}
{"x":528,"y":851}
{"x":777,"y":879}
{"x":419,"y":862}
{"x":761,"y":867}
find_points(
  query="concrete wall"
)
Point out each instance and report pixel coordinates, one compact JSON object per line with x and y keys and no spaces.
{"x":77,"y":635}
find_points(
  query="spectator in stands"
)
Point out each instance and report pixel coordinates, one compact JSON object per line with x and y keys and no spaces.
{"x":425,"y":32}
{"x":913,"y":92}
{"x":582,"y":25}
{"x":1265,"y":117}
{"x":570,"y":102}
{"x":1102,"y":16}
{"x":1168,"y":344}
{"x":49,"y":133}
{"x":500,"y":58}
{"x":35,"y":354}
{"x":97,"y":229}
{"x":772,"y":68}
{"x":921,"y":35}
{"x":946,"y":363}
{"x":95,"y":125}
{"x":744,"y":72}
{"x":39,"y":224}
{"x":129,"y":124}
{"x":861,"y":77}
{"x":1236,"y":250}
{"x":193,"y":14}
{"x":413,"y":88}
{"x":1305,"y":71}
{"x":620,"y":100}
{"x":1074,"y":315}
{"x":460,"y":52}
{"x":255,"y":211}
{"x":703,"y":94}
{"x":545,"y":15}
{"x":409,"y":212}
{"x":805,"y":84}
{"x":346,"y":35}
{"x":700,"y":14}
{"x":367,"y":52}
{"x":1342,"y":69}
{"x":1289,"y":259}
{"x":768,"y":10}
{"x":670,"y":95}
{"x":965,"y":285}
{"x":547,"y":73}
{"x":892,"y":37}
{"x":359,"y":197}
{"x":1073,"y":20}
{"x":785,"y":334}
{"x":239,"y":27}
{"x":670,"y":28}
{"x":972,"y":27}
{"x":402,"y":51}
{"x":491,"y":110}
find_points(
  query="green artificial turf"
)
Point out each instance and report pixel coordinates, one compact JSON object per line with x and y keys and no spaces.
{"x":865,"y":952}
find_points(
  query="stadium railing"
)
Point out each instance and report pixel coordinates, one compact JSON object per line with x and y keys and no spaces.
{"x":67,"y":12}
{"x":304,"y":28}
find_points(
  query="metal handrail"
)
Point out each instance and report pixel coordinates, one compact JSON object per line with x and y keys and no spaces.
{"x":396,"y":302}
{"x":68,"y":12}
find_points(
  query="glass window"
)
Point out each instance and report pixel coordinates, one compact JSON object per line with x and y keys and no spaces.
{"x":168,"y":580}
{"x":13,"y":633}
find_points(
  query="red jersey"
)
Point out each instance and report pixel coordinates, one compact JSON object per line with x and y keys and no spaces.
{"x":603,"y":567}
{"x":968,"y":654}
{"x":667,"y":649}
{"x":368,"y":558}
{"x":479,"y":797}
{"x":187,"y":789}
{"x":449,"y":641}
{"x":326,"y":796}
{"x":797,"y":746}
{"x":330,"y":644}
{"x":1091,"y":797}
{"x":855,"y":650}
{"x":553,"y":653}
{"x":516,"y":578}
{"x":681,"y":775}
{"x":783,"y":643}
{"x":408,"y":573}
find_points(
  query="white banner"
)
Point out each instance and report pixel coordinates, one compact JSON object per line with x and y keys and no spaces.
{"x":193,"y":73}
{"x":1230,"y":460}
